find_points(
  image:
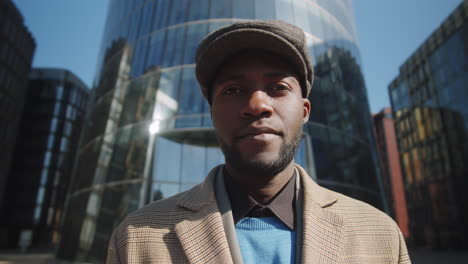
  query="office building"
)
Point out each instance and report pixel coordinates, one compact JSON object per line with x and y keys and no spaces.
{"x":39,"y":178}
{"x":431,"y":118}
{"x":387,"y":147}
{"x":149,"y":135}
{"x":17,"y":47}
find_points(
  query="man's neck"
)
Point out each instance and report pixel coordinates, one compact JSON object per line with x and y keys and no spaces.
{"x":262,"y":189}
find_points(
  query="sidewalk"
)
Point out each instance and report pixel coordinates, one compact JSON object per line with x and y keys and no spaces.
{"x":425,"y":256}
{"x":419,"y":256}
{"x":27,"y":258}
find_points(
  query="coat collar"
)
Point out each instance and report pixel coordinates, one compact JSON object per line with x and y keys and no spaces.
{"x":203,"y":239}
{"x":322,"y":230}
{"x":202,"y":235}
{"x":315,"y":193}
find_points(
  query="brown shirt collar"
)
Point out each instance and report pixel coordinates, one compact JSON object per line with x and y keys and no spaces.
{"x":243,"y":205}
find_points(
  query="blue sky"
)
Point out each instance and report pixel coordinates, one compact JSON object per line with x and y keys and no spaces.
{"x":68,"y":35}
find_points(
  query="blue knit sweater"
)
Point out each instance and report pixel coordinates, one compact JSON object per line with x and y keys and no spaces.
{"x":265,"y":240}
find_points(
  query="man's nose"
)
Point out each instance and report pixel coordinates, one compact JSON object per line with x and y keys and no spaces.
{"x":258,"y":105}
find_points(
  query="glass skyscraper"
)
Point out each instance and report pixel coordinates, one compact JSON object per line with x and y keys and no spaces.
{"x":17,"y":47}
{"x":44,"y":154}
{"x":429,"y":99}
{"x":149,"y":134}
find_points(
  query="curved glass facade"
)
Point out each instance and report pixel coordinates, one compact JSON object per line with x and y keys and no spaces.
{"x":149,"y":134}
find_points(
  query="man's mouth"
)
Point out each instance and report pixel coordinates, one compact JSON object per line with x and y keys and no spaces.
{"x":259,"y":133}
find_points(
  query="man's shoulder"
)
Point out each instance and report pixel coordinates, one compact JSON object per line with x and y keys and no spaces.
{"x":356,"y":212}
{"x":163,"y":213}
{"x":369,"y":234}
{"x":348,"y":208}
{"x":166,"y":213}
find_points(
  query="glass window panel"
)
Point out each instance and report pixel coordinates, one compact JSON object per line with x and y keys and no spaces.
{"x":195,"y":34}
{"x":160,"y":16}
{"x":134,"y":25}
{"x":50,"y":141}
{"x":53,"y":124}
{"x":64,"y":144}
{"x":179,"y":10}
{"x":164,"y":190}
{"x":221,"y":9}
{"x":138,"y":58}
{"x":190,"y":95}
{"x":147,"y":19}
{"x":67,"y":128}
{"x":94,"y":203}
{"x":214,"y":157}
{"x":243,"y":9}
{"x":47,"y":158}
{"x":44,"y":174}
{"x":166,"y":160}
{"x":310,"y":45}
{"x":169,"y":83}
{"x":188,"y":121}
{"x":59,"y":92}
{"x":174,"y":47}
{"x":193,"y":164}
{"x":199,"y":10}
{"x":156,"y":49}
{"x":284,"y":10}
{"x":300,"y":15}
{"x":40,"y":195}
{"x":144,"y":46}
{"x":73,"y":96}
{"x":57,"y":108}
{"x":37,"y":213}
{"x":264,"y":9}
{"x":315,"y":23}
{"x":301,"y":153}
{"x":69,"y":113}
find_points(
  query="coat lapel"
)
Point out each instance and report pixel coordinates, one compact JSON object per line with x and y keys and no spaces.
{"x":202,"y":235}
{"x":322,"y":229}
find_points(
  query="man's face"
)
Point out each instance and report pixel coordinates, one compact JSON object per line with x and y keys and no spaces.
{"x":258,"y":112}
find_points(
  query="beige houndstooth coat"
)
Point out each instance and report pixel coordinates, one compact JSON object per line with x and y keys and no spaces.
{"x":187,"y":228}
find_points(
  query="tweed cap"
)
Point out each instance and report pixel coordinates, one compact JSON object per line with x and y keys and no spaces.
{"x":275,"y":36}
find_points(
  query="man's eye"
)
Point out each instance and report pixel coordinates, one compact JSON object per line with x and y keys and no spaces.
{"x":232,"y":90}
{"x":279,"y":87}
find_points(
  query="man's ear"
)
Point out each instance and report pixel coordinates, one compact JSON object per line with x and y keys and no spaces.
{"x":306,"y":111}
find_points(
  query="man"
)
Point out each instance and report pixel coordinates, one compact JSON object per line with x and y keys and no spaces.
{"x":260,"y":207}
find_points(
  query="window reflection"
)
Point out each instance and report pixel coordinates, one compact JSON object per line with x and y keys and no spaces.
{"x":243,"y":9}
{"x":264,"y":10}
{"x":170,"y":157}
{"x":174,"y":47}
{"x":200,"y":10}
{"x":195,"y":33}
{"x":183,"y":163}
{"x":221,"y":9}
{"x":179,"y":11}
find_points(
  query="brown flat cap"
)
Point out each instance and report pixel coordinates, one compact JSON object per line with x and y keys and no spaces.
{"x":275,"y":36}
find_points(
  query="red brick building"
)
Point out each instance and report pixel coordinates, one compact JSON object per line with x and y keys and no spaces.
{"x":387,"y":146}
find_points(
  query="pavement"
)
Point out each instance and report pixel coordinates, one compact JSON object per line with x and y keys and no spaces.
{"x":419,"y":256}
{"x":27,"y":258}
{"x":426,"y":256}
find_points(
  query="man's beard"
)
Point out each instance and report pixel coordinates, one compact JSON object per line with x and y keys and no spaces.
{"x":262,"y":168}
